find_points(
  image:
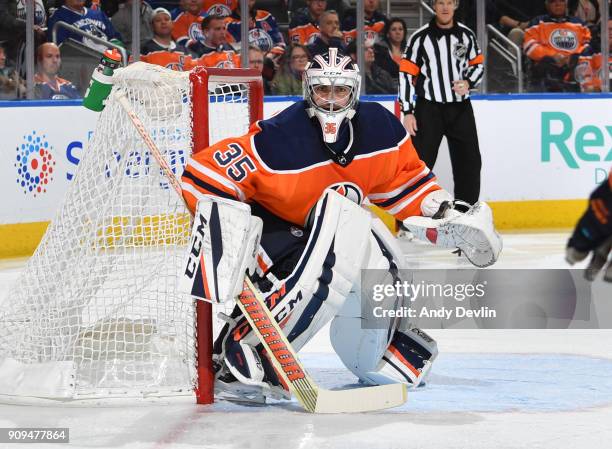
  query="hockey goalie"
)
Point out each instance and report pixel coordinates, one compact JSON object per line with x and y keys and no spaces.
{"x":304,"y":175}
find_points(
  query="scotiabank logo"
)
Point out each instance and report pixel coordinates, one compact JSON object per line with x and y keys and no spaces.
{"x":34,"y":163}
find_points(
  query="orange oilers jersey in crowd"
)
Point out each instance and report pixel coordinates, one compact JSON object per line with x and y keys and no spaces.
{"x":264,"y":32}
{"x":187,"y":27}
{"x":169,"y":59}
{"x":221,"y":8}
{"x":304,"y":34}
{"x":283,"y":165}
{"x":549,"y":37}
{"x":303,"y":29}
{"x":227,"y":59}
{"x":589,"y":74}
{"x":372,"y":29}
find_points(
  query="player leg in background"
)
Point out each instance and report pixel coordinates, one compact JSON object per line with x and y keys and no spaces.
{"x":430,"y":131}
{"x":382,"y":350}
{"x":464,"y":150}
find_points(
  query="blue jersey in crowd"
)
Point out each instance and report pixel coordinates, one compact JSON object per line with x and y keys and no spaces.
{"x":92,"y":21}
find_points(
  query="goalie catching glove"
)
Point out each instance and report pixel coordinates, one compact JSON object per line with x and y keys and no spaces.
{"x":456,"y":224}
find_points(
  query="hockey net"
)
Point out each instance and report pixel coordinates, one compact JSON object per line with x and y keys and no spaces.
{"x":96,"y":313}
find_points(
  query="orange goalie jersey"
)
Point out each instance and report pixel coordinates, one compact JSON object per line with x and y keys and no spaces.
{"x":283,"y":165}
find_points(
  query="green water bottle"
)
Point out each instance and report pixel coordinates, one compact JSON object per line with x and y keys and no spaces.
{"x":102,"y":81}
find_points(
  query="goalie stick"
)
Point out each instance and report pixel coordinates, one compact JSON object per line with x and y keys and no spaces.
{"x":282,"y":355}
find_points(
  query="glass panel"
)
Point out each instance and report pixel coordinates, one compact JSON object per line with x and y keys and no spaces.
{"x":183,"y":38}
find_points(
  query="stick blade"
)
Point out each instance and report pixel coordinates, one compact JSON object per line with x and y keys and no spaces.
{"x":361,"y":399}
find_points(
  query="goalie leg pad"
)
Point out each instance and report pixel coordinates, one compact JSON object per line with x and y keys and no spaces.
{"x":311,"y":295}
{"x":384,"y":355}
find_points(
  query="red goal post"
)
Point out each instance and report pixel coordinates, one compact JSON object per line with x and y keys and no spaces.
{"x":201,"y":80}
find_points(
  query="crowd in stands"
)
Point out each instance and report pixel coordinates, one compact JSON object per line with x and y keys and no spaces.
{"x":560,"y":39}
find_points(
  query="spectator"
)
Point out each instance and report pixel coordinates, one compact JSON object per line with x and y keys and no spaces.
{"x":585,"y":10}
{"x":12,"y":25}
{"x":221,"y":8}
{"x":466,"y":12}
{"x":389,"y":51}
{"x":187,"y":24}
{"x":589,"y":73}
{"x":213,"y":38}
{"x":288,"y":81}
{"x":12,"y":28}
{"x":122,"y":21}
{"x":340,"y":6}
{"x":256,"y":61}
{"x":377,"y":81}
{"x":175,"y":12}
{"x":553,"y":42}
{"x":304,"y":26}
{"x":11,"y":85}
{"x":47,"y":85}
{"x":16,"y":16}
{"x":91,"y":21}
{"x":263,"y":31}
{"x":214,"y":51}
{"x":40,"y":16}
{"x":110,"y":7}
{"x":330,"y":35}
{"x":161,"y":26}
{"x":374,"y":22}
{"x":515,"y":15}
{"x":161,"y":49}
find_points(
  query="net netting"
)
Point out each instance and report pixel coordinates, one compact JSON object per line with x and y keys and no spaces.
{"x":96,"y":312}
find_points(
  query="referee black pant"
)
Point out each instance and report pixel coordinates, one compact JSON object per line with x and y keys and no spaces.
{"x":456,"y":122}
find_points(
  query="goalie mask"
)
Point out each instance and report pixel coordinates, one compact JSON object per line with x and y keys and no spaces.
{"x":331,"y":88}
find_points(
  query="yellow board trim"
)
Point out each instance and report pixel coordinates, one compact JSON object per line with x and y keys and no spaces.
{"x":523,"y":215}
{"x":19,"y":240}
{"x":544,"y":214}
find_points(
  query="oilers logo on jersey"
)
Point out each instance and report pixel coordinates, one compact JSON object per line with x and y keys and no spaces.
{"x":370,"y":37}
{"x":348,"y":190}
{"x":228,"y":63}
{"x":260,"y":39}
{"x":219,"y":10}
{"x":583,"y":72}
{"x":565,"y":40}
{"x":195,"y":32}
{"x":177,"y":66}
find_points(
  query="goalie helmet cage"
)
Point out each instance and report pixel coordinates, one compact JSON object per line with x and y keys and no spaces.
{"x":96,"y":313}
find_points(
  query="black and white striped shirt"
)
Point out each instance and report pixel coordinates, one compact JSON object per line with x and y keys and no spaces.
{"x":436,"y":57}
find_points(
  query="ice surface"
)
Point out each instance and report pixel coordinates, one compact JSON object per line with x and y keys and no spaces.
{"x":488,"y":389}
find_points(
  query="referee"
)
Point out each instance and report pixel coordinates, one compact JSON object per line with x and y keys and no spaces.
{"x":441,"y":64}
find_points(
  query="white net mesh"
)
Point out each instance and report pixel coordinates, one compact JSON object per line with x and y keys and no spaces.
{"x":96,"y":312}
